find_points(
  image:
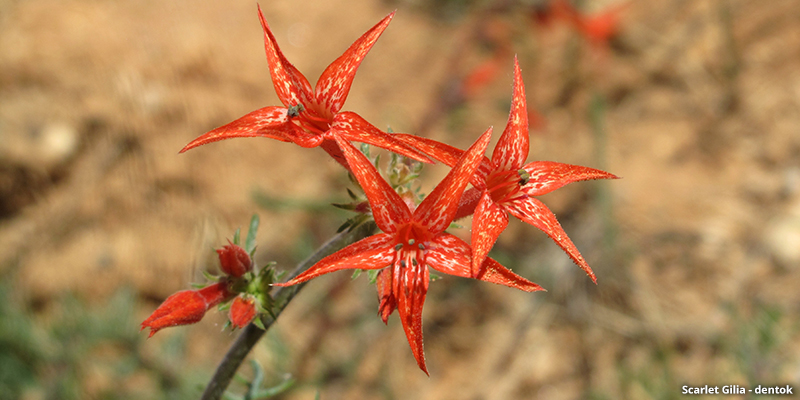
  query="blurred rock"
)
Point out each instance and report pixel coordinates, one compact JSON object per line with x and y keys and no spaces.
{"x":782,"y":236}
{"x":44,"y":147}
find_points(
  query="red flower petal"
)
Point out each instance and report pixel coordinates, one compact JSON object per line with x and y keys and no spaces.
{"x":388,"y":303}
{"x":469,"y":200}
{"x":271,"y":122}
{"x":451,"y":255}
{"x":546,"y":176}
{"x":388,"y":209}
{"x":437,"y":210}
{"x":290,"y":84}
{"x":537,"y":214}
{"x":334,"y":83}
{"x":355,"y":128}
{"x":494,"y":272}
{"x":489,"y":221}
{"x":410,"y":285}
{"x":446,"y":154}
{"x":512,"y":147}
{"x":374,"y":252}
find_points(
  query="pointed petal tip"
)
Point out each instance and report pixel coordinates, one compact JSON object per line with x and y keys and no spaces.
{"x":425,"y":370}
{"x":584,"y":266}
{"x":189,"y":146}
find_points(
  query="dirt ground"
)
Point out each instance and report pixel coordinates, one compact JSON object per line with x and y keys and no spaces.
{"x":696,"y":105}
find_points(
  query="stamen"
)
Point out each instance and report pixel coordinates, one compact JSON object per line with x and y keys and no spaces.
{"x":410,"y":242}
{"x":524,"y":177}
{"x":294,"y":111}
{"x":414,"y":262}
{"x":421,"y":246}
{"x":398,"y":247}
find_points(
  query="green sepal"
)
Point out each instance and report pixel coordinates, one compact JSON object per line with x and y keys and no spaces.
{"x":260,"y":324}
{"x":236,"y":236}
{"x":454,"y":225}
{"x":356,"y":274}
{"x":346,"y":206}
{"x":224,"y":306}
{"x":353,"y":222}
{"x":209,"y":276}
{"x":373,"y":275}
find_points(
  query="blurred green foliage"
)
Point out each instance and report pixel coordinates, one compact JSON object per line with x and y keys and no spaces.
{"x":86,"y":352}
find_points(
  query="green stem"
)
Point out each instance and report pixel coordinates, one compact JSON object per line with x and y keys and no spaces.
{"x":251,"y":334}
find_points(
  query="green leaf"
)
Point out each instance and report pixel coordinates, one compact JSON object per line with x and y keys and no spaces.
{"x":258,"y":378}
{"x":250,"y":242}
{"x":231,"y":396}
{"x":276,"y":390}
{"x":236,"y":236}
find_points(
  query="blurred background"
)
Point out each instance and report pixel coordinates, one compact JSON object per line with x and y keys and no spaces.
{"x":695,"y":104}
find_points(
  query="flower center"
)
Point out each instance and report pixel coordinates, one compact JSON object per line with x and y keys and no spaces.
{"x":308,"y":119}
{"x":410,"y":269}
{"x":505,"y":186}
{"x":411,"y":237}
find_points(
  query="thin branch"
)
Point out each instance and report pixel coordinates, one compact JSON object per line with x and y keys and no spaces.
{"x":251,"y":334}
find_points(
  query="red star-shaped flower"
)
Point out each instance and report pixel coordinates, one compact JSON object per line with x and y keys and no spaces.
{"x":311,"y":117}
{"x":505,"y":185}
{"x":412,"y":241}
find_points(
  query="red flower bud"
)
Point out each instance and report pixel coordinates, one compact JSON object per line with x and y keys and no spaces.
{"x":186,"y":307}
{"x":243,"y":310}
{"x":234,"y":260}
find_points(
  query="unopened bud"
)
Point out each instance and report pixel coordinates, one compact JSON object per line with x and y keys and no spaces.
{"x":243,"y":310}
{"x":234,"y":260}
{"x":186,"y":307}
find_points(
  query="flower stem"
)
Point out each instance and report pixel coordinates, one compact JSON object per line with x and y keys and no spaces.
{"x":252,"y":334}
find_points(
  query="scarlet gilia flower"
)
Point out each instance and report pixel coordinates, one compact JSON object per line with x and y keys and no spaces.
{"x":511,"y":187}
{"x":412,"y":241}
{"x":243,"y":310}
{"x":234,"y":260}
{"x":598,"y":28}
{"x":506,"y":185}
{"x":186,"y":307}
{"x":312,"y":117}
